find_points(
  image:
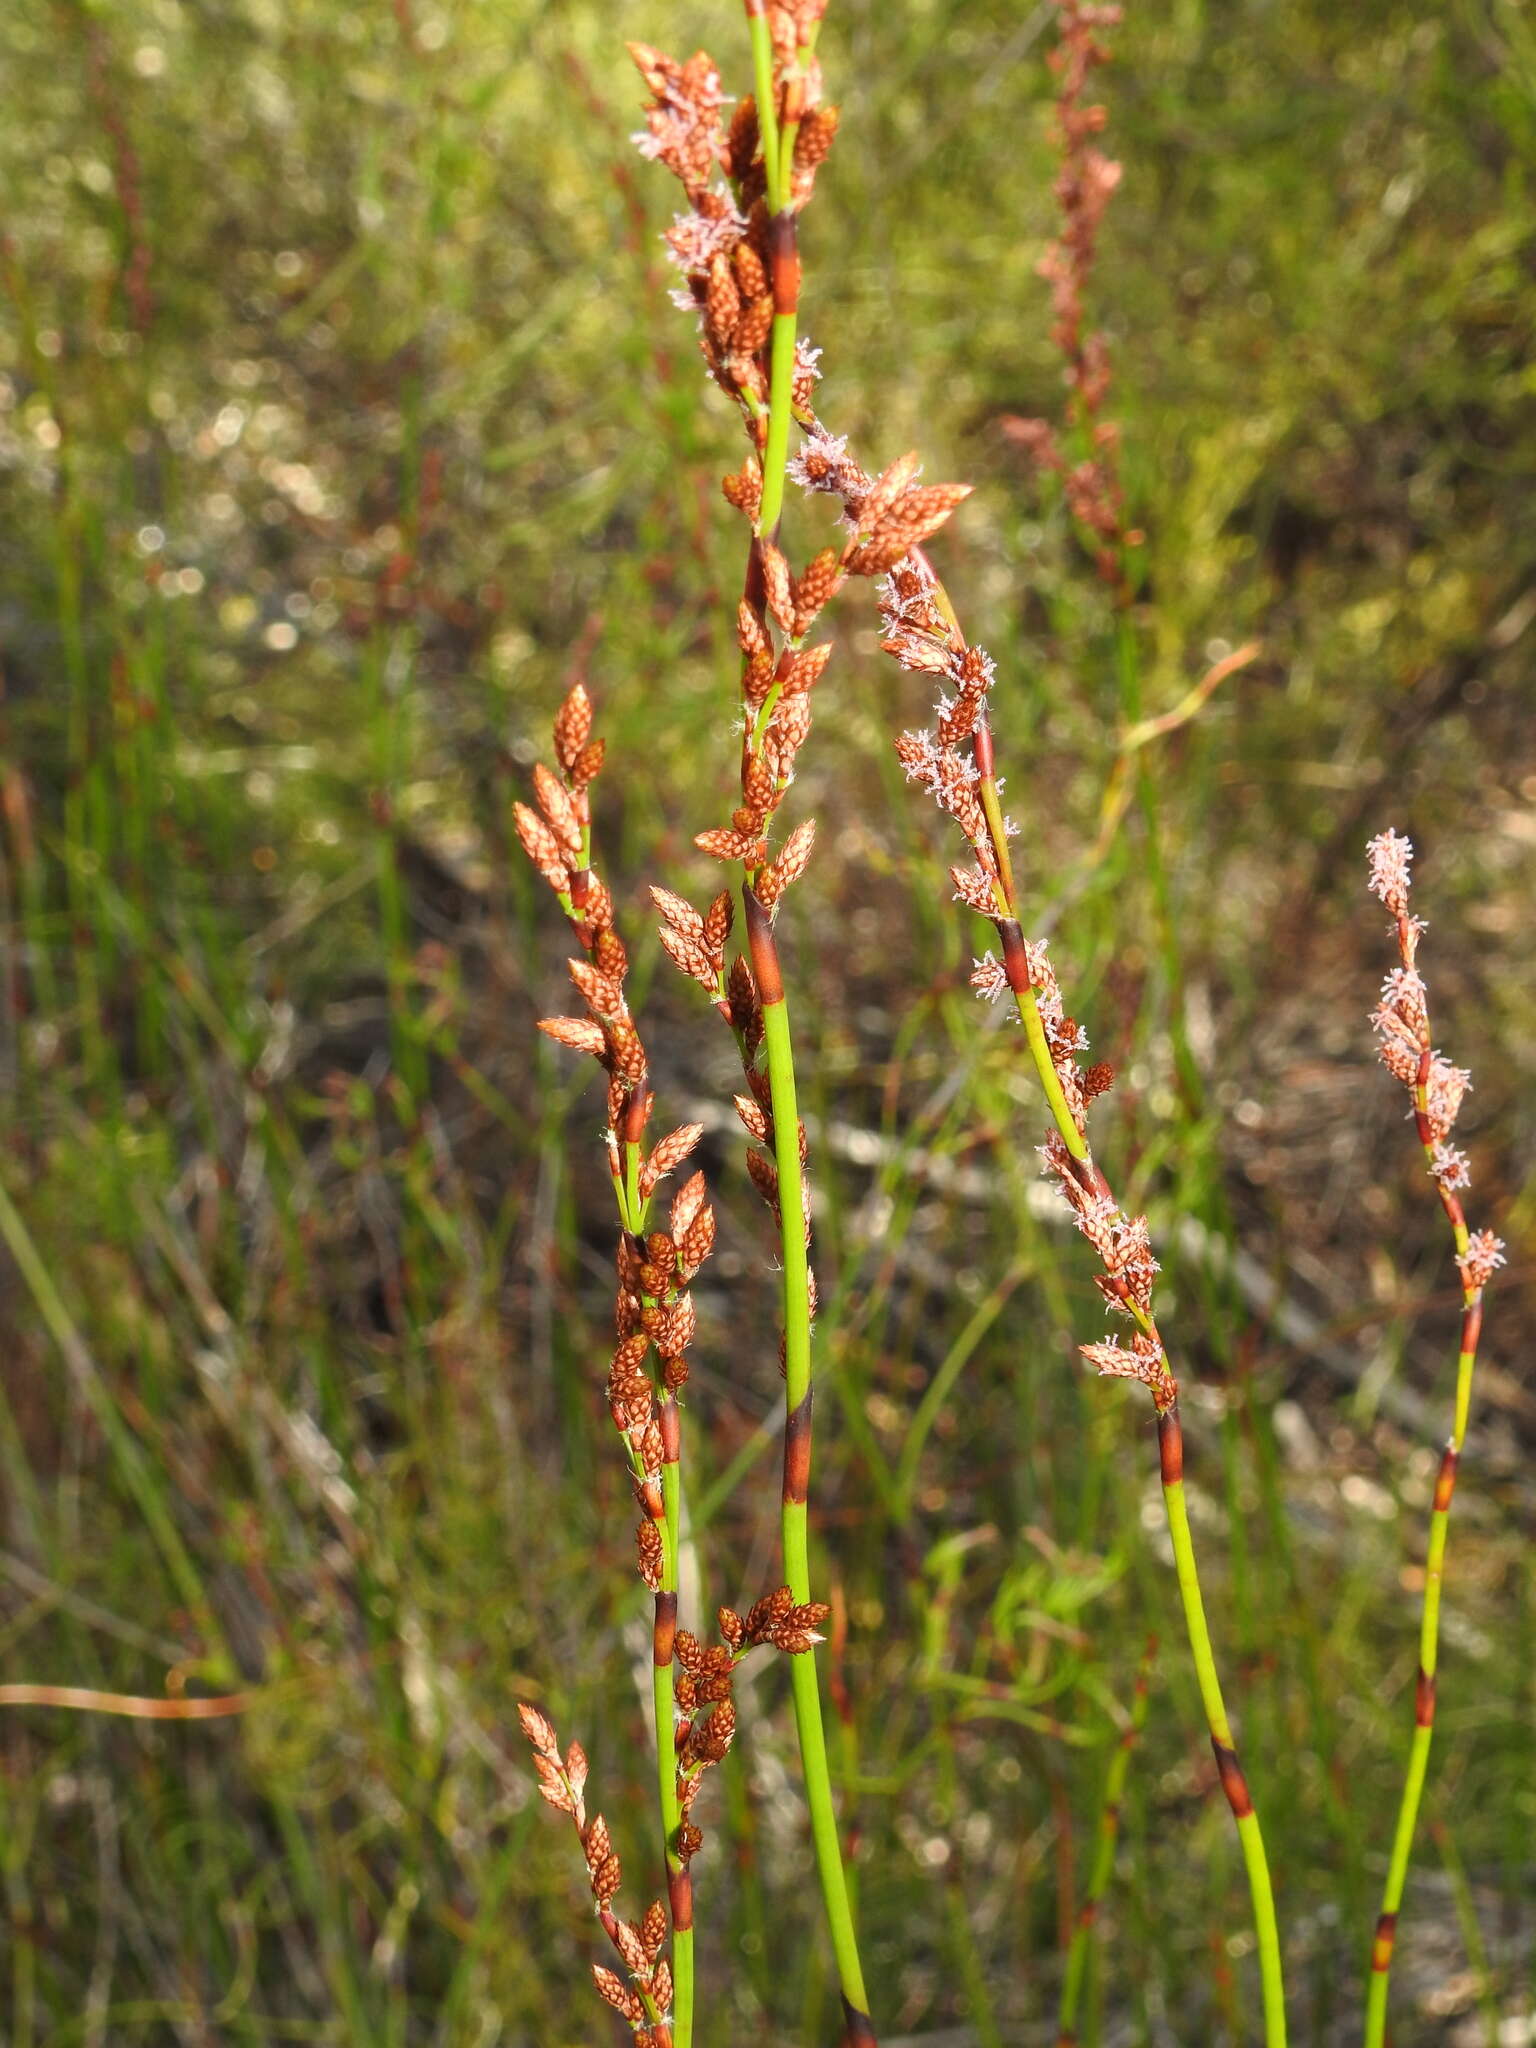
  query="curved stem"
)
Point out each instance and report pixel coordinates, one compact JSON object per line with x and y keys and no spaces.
{"x":1103,"y":1856}
{"x":804,"y":1683}
{"x":679,"y":1881}
{"x":1233,"y":1783}
{"x":1424,"y":1690}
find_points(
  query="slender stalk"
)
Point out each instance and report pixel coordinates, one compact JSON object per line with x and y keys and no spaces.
{"x":633,"y":1211}
{"x":798,"y":1398}
{"x":1402,"y":1024}
{"x":664,"y":1696}
{"x":1103,"y":1856}
{"x":655,"y":1268}
{"x":923,"y":631}
{"x":1233,"y":1783}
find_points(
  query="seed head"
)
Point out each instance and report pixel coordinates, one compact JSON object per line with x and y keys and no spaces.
{"x":573,"y":726}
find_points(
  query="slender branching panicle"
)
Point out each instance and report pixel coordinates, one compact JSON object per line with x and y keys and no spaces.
{"x":644,"y":1994}
{"x":955,"y":763}
{"x":1089,"y":470}
{"x":692,"y":1681}
{"x":1435,"y":1089}
{"x":655,"y":1267}
{"x":737,"y":250}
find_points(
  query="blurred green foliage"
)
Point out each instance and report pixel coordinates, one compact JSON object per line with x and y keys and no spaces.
{"x":343,"y":417}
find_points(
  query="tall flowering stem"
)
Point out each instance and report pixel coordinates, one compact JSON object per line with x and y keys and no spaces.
{"x":1103,"y":1855}
{"x":1435,"y":1088}
{"x":737,"y":249}
{"x":654,"y":1271}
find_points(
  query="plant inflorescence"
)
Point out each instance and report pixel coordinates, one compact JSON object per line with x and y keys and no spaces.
{"x":747,"y":170}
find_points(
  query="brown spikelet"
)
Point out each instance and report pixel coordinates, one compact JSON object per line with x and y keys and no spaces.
{"x":626,"y":1938}
{"x":597,"y":912}
{"x":712,"y":1734}
{"x":788,"y":866}
{"x":618,"y":1994}
{"x":626,"y":1051}
{"x":776,"y":585}
{"x":757,"y":786}
{"x":744,"y":490}
{"x":602,"y":993}
{"x":541,"y":846}
{"x":764,"y":1176}
{"x":757,"y":677}
{"x":579,"y":1033}
{"x":753,"y":327}
{"x":816,"y":587}
{"x":555,"y":802}
{"x":815,"y":137}
{"x":752,"y":1116}
{"x":696,"y":1242}
{"x":722,"y":299}
{"x":686,"y":1203}
{"x":919,"y":513}
{"x":741,"y":992}
{"x":678,"y":1325}
{"x":538,"y":1729}
{"x":717,"y":925}
{"x":724,"y":844}
{"x":975,"y":889}
{"x":741,"y":148}
{"x":573,"y":726}
{"x":585,"y":767}
{"x":653,"y":1928}
{"x":576,"y":1768}
{"x":674,"y":1148}
{"x":691,"y":955}
{"x":891,"y":484}
{"x":648,"y":1552}
{"x":750,"y":636}
{"x":804,"y":669}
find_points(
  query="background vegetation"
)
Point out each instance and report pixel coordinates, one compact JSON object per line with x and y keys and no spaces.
{"x":342,"y":416}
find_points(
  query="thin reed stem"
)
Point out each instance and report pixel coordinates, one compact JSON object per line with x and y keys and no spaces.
{"x":654,"y":1269}
{"x":924,"y":633}
{"x":1103,"y":1855}
{"x":798,"y":1399}
{"x":1436,"y":1089}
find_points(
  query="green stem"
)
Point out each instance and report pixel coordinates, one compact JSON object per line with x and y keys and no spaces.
{"x":1233,"y":1783}
{"x":781,"y":386}
{"x":767,"y":101}
{"x":1434,"y":1571}
{"x":1103,"y":1857}
{"x":664,"y":1695}
{"x":93,"y":1390}
{"x":804,"y":1684}
{"x":632,"y":1215}
{"x":1424,"y":1706}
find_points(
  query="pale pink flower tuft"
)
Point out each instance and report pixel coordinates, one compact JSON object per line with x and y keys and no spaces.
{"x":1484,"y":1253}
{"x":1389,"y":854}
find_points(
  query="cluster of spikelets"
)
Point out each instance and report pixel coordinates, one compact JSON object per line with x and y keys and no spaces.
{"x":654,"y":1309}
{"x":697,"y":944}
{"x":1084,"y":186}
{"x":1406,"y":1050}
{"x":654,"y":1306}
{"x":706,"y":1708}
{"x":644,"y":1994}
{"x":736,"y":268}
